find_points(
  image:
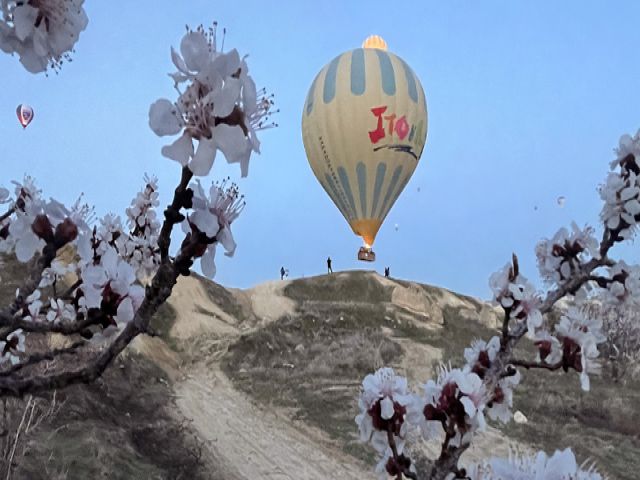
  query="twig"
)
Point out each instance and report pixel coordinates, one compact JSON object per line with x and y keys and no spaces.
{"x":15,"y":443}
{"x":529,"y":365}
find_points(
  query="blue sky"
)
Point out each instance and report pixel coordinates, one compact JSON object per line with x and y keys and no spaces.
{"x":526,"y":101}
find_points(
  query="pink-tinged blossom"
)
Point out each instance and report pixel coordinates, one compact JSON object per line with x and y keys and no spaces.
{"x":623,"y":286}
{"x":559,"y":257}
{"x":517,"y":296}
{"x":549,"y":348}
{"x":382,"y":403}
{"x":481,"y":354}
{"x":110,"y":286}
{"x":42,"y":32}
{"x":580,"y":336}
{"x":457,"y":398}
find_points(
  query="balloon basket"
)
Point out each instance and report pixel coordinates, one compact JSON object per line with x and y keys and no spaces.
{"x":366,"y":255}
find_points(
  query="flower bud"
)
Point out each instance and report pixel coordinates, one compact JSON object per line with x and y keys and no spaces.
{"x":42,"y":228}
{"x":66,"y":232}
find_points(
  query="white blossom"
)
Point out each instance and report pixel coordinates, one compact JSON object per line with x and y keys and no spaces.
{"x":41,"y":32}
{"x":621,"y":191}
{"x":561,"y":465}
{"x":561,"y":256}
{"x":60,"y":311}
{"x":213,"y":215}
{"x":218,"y":108}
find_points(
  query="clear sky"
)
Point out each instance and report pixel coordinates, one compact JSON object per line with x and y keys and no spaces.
{"x":526,"y":101}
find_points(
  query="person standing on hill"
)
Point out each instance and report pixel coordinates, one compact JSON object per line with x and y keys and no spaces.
{"x":329,"y":269}
{"x":282,"y":272}
{"x":386,"y":272}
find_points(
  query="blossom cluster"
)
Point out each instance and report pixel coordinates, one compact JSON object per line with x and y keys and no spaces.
{"x":42,"y":32}
{"x":560,"y":257}
{"x":573,"y":263}
{"x":621,"y":191}
{"x":219,"y":107}
{"x":517,"y":296}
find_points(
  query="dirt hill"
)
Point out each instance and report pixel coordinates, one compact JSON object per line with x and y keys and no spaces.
{"x":262,"y":383}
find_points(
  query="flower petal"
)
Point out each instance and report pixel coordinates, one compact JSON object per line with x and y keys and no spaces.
{"x":226,"y":98}
{"x":203,"y":159}
{"x":24,"y":18}
{"x":180,"y":150}
{"x":195,"y":50}
{"x":163,"y":118}
{"x":207,"y":262}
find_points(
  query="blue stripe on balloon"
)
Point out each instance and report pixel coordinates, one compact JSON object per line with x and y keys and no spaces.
{"x":361,"y":172}
{"x":358,"y":82}
{"x":395,"y":196}
{"x":311,"y":94}
{"x":390,"y":190}
{"x":386,"y":72}
{"x":335,"y":195}
{"x":344,"y":181}
{"x":330,"y":80}
{"x":380,"y":172}
{"x":411,"y":81}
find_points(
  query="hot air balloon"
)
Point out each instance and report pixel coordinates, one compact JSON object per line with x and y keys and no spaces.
{"x":364,"y":126}
{"x":396,"y":227}
{"x":25,"y":114}
{"x":561,"y":201}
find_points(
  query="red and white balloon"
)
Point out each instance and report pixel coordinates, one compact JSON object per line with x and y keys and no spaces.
{"x":25,"y":114}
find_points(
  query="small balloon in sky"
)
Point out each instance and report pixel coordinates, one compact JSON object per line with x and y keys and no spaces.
{"x":561,"y":201}
{"x":535,"y":207}
{"x":418,"y":189}
{"x":25,"y":114}
{"x":396,"y":227}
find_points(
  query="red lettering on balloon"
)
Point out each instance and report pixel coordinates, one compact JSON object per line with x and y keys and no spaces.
{"x":402,"y":127}
{"x":378,"y":133}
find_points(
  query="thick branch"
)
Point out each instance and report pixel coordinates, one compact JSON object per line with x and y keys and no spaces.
{"x":172,"y":214}
{"x":40,"y":357}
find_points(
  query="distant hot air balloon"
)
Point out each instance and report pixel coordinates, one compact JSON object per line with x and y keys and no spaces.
{"x":364,"y":126}
{"x":396,"y":227}
{"x":561,"y":201}
{"x":25,"y":114}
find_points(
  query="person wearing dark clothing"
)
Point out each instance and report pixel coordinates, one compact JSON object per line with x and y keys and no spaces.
{"x":282,"y":272}
{"x":386,"y":272}
{"x":329,"y":269}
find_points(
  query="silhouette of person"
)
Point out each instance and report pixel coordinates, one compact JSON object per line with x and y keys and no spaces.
{"x":282,"y":272}
{"x":329,"y":269}
{"x":386,"y":272}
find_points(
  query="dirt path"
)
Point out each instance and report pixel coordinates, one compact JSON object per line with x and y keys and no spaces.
{"x":248,"y":442}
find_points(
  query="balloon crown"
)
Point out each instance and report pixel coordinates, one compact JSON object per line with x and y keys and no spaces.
{"x":375,"y":41}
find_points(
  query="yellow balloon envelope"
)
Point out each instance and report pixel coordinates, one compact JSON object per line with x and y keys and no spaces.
{"x":364,"y":126}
